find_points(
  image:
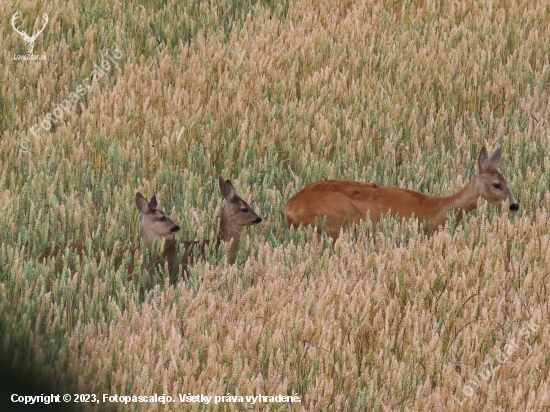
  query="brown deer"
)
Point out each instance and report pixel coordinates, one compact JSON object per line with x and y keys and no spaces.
{"x":235,"y":214}
{"x":154,"y":224}
{"x":343,"y":203}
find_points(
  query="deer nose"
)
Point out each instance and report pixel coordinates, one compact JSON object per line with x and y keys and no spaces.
{"x":514,"y":207}
{"x":257,"y":220}
{"x":175,"y":229}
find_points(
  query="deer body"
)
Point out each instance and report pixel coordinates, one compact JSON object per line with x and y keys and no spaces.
{"x":154,"y":224}
{"x":63,"y":248}
{"x":343,"y":203}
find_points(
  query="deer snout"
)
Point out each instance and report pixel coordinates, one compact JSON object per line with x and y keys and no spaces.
{"x":257,"y":221}
{"x":514,"y":207}
{"x":175,"y":229}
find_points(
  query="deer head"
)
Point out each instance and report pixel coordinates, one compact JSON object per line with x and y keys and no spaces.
{"x":238,"y":212}
{"x":493,"y":186}
{"x":154,"y":222}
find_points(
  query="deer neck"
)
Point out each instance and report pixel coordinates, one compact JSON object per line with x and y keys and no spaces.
{"x":228,"y":232}
{"x":464,"y":201}
{"x":147,"y":237}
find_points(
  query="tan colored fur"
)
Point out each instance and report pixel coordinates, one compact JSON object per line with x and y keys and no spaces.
{"x":235,"y":215}
{"x":154,"y":224}
{"x":344,"y":203}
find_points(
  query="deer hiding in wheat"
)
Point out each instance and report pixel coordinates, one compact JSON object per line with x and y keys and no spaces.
{"x":343,"y":203}
{"x":154,"y":225}
{"x":235,"y":215}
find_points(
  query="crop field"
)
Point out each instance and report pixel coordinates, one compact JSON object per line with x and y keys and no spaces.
{"x":165,"y":96}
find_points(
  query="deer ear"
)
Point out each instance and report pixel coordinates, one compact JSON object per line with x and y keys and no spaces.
{"x":231,"y":194}
{"x":227,"y":189}
{"x":153,"y":202}
{"x":482,"y":160}
{"x":495,"y":158}
{"x":142,"y":204}
{"x":222,"y":185}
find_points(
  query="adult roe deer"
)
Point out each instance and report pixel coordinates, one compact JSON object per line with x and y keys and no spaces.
{"x":236,"y":214}
{"x":154,"y":224}
{"x":344,"y":202}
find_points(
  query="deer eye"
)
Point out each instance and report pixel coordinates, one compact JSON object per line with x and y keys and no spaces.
{"x":496,"y":186}
{"x":245,"y":210}
{"x":162,"y":219}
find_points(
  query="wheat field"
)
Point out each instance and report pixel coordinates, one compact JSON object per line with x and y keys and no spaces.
{"x":164,"y":96}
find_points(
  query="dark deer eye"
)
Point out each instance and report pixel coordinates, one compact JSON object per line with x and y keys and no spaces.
{"x":496,"y":186}
{"x":245,"y":210}
{"x":162,"y":219}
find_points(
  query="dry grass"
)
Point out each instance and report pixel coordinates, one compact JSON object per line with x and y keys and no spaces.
{"x":276,"y":96}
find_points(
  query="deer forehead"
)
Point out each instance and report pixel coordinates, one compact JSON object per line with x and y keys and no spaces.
{"x":493,"y":175}
{"x":244,"y":205}
{"x":236,"y":201}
